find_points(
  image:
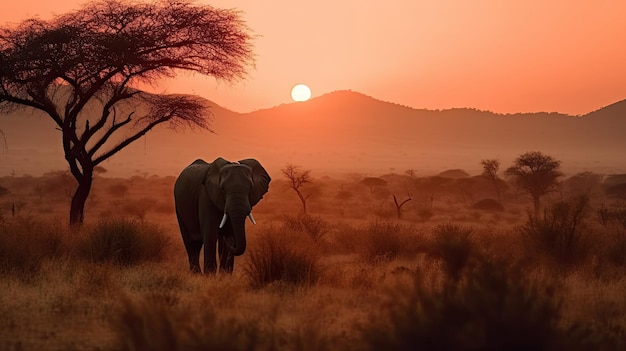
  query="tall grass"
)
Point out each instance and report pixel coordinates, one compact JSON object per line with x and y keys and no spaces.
{"x":124,"y":242}
{"x":313,"y":226}
{"x":491,"y":307}
{"x":383,"y":241}
{"x":154,"y":325}
{"x":25,"y":243}
{"x":559,"y":234}
{"x":452,"y":243}
{"x":280,"y":255}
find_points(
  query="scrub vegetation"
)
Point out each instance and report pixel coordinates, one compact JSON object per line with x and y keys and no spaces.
{"x":469,"y":265}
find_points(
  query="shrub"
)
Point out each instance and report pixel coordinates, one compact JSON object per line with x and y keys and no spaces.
{"x":425,"y":213}
{"x":313,"y":226}
{"x":3,"y":191}
{"x":616,"y":213}
{"x":25,"y":243}
{"x":124,"y":242}
{"x":492,"y":307}
{"x":557,"y":234}
{"x":153,"y":325}
{"x":453,"y":245}
{"x":139,"y":208}
{"x":488,"y":205}
{"x":383,"y":241}
{"x":118,"y":190}
{"x":278,"y":256}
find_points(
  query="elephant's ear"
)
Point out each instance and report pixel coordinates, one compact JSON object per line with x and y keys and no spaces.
{"x":260,"y":178}
{"x":212,"y":183}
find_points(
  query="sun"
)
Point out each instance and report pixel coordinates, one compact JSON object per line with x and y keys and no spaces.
{"x":300,"y":92}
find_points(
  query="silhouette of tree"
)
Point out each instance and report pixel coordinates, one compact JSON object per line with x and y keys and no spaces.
{"x":297,"y":178}
{"x":490,"y":171}
{"x":373,"y":183}
{"x":399,"y":204}
{"x":82,"y":70}
{"x":536,"y":174}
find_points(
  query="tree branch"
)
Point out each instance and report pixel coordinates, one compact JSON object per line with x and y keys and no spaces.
{"x":108,"y":134}
{"x":129,"y":140}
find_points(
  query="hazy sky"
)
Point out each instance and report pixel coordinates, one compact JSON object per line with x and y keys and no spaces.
{"x":501,"y":55}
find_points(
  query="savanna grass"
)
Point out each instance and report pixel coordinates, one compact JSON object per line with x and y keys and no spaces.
{"x":491,"y":306}
{"x":280,"y":255}
{"x":452,"y":243}
{"x":25,"y":243}
{"x":153,"y":324}
{"x":559,"y":234}
{"x":124,"y":242}
{"x":313,"y":226}
{"x":383,"y":241}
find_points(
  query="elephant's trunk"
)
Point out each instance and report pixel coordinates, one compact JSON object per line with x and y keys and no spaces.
{"x":239,"y":235}
{"x":236,"y":210}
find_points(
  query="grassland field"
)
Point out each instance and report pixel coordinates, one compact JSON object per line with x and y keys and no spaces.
{"x":454,"y":272}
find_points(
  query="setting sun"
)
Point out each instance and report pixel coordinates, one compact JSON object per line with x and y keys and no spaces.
{"x":300,"y":92}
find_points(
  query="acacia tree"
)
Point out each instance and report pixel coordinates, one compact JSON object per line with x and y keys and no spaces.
{"x":536,"y":174}
{"x":490,"y":171}
{"x":297,"y":178}
{"x":82,"y":69}
{"x":373,"y":183}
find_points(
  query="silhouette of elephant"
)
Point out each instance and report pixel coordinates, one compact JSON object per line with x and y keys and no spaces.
{"x":212,"y":202}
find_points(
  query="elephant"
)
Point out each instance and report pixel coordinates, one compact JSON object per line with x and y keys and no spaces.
{"x":212,"y":202}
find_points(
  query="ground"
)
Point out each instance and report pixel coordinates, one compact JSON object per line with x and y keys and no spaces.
{"x":349,"y":275}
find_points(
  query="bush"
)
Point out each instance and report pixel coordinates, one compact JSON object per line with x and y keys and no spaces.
{"x":492,"y":307}
{"x":557,"y":234}
{"x":488,"y":205}
{"x":616,"y":213}
{"x":453,"y":245}
{"x":313,"y":226}
{"x":425,"y":213}
{"x":279,"y":256}
{"x":153,"y":325}
{"x":124,"y":242}
{"x":25,"y":243}
{"x":383,"y":241}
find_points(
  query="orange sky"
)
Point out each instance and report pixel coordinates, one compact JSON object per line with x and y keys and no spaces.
{"x":506,"y":56}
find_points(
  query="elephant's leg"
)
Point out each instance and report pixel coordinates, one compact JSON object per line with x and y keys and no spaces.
{"x":193,"y":251}
{"x":227,"y":259}
{"x":192,"y":247}
{"x":210,"y":263}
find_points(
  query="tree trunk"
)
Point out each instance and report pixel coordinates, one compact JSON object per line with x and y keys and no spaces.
{"x":536,"y":204}
{"x":303,"y":200}
{"x":77,"y":208}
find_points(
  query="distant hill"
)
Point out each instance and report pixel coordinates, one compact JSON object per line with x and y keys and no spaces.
{"x":346,"y":132}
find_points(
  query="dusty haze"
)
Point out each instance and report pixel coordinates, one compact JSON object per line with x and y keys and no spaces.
{"x":344,"y":132}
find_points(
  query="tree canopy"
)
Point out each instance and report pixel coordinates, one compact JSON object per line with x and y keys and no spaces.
{"x":297,"y":177}
{"x":535,"y":174}
{"x":84,"y":69}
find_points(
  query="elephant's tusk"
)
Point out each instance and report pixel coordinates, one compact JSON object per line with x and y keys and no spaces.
{"x":251,"y":218}
{"x":223,"y":221}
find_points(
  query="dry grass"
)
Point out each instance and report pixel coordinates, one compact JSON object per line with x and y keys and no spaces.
{"x":283,"y":256}
{"x":123,"y":242}
{"x":334,"y":280}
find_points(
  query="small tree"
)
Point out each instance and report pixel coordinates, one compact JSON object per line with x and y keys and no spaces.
{"x":490,"y":171}
{"x":400,"y":204}
{"x":82,"y":70}
{"x":535,"y":174}
{"x":297,"y":178}
{"x":373,"y":183}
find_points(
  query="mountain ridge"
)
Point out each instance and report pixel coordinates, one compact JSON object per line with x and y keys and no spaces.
{"x":346,"y":131}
